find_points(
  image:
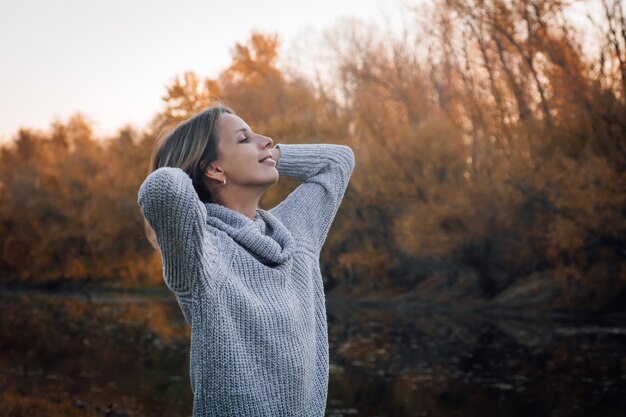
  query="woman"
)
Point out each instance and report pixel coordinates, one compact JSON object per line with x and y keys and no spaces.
{"x":247,"y":280}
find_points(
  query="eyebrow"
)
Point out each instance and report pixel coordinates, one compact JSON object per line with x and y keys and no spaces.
{"x":239,"y":130}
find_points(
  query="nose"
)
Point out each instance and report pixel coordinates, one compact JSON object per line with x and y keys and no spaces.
{"x":268,"y":142}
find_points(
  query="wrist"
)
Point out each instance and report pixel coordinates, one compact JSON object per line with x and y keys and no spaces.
{"x":275,"y":153}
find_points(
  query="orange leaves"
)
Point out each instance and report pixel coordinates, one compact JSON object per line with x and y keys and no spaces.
{"x":253,"y":63}
{"x":188,"y":95}
{"x":69,"y":209}
{"x":487,"y":140}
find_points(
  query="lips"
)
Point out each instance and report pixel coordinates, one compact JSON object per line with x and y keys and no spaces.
{"x":266,"y":157}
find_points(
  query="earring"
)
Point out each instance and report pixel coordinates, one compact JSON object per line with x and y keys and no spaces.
{"x":224,"y":182}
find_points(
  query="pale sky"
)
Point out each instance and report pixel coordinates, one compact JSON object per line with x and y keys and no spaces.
{"x":111,"y":60}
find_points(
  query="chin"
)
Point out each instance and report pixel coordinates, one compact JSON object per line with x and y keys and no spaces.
{"x":267,"y":180}
{"x":274,"y":180}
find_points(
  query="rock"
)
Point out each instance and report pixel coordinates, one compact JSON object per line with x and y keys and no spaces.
{"x":538,"y":291}
{"x":464,"y":289}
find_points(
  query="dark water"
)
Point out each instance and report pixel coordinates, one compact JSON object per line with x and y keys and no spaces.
{"x":121,"y":355}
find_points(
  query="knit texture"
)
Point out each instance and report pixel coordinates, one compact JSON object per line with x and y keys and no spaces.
{"x":252,"y":290}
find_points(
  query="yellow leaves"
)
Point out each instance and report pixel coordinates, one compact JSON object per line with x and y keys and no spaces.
{"x":563,"y":237}
{"x":76,"y":269}
{"x":143,"y":269}
{"x":188,"y":95}
{"x":255,"y":62}
{"x":461,"y":145}
{"x":416,"y":234}
{"x":367,"y":258}
{"x":588,"y":194}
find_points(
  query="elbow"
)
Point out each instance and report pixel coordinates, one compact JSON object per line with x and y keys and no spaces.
{"x":346,"y":159}
{"x":352,"y":159}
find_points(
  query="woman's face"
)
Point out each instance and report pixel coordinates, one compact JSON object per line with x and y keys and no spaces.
{"x":240,"y":153}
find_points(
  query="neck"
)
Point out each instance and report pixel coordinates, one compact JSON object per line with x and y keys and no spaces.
{"x":242,"y":199}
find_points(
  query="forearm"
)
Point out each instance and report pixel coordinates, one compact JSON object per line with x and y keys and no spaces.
{"x":169,"y":202}
{"x":324,"y":171}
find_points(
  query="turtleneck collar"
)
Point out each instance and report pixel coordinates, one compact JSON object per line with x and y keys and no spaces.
{"x":265,"y":237}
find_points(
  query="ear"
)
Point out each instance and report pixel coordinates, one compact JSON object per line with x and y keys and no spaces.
{"x":213,"y":171}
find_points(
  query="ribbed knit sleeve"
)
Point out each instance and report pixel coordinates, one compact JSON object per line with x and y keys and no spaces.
{"x":324,"y":171}
{"x":173,"y":209}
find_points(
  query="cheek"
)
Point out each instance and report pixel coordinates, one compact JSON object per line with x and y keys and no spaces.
{"x":232,"y":156}
{"x":242,"y":160}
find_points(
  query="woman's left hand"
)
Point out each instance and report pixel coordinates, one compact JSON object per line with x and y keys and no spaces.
{"x":275,"y":153}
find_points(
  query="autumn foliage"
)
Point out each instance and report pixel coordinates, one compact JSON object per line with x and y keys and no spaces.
{"x":490,"y":148}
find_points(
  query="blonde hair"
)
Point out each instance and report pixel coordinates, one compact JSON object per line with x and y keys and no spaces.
{"x":190,"y":146}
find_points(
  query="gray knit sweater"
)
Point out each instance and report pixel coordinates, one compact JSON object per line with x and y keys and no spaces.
{"x":252,"y":289}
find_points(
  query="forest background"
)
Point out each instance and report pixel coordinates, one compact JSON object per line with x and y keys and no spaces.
{"x":490,"y":146}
